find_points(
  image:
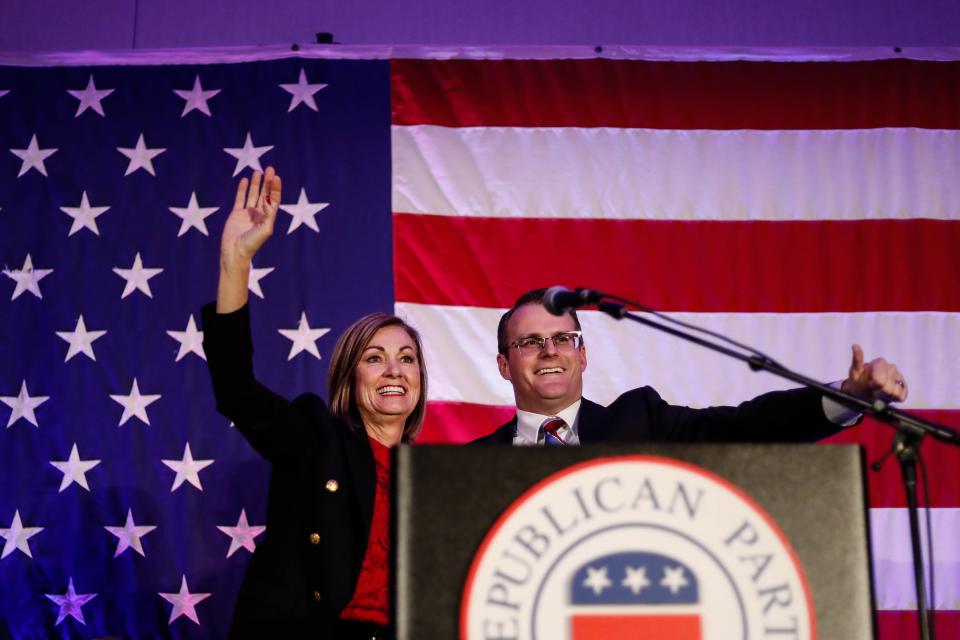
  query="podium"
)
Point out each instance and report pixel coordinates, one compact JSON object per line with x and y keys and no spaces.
{"x":618,"y":541}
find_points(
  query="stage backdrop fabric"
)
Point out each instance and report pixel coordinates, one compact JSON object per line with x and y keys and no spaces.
{"x":797,"y":202}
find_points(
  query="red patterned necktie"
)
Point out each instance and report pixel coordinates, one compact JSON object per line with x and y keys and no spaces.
{"x":549,"y":430}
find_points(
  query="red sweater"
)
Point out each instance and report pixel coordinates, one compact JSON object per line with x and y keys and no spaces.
{"x":371,"y":600}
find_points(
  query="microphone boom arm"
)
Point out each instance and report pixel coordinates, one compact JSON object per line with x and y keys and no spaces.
{"x":910,"y":429}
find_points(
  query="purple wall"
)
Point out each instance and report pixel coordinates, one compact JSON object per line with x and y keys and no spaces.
{"x":58,"y":25}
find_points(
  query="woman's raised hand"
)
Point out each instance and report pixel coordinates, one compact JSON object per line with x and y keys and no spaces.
{"x":252,"y":219}
{"x":247,"y":228}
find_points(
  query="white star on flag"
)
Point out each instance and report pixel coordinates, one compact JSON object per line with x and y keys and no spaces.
{"x":137,"y":277}
{"x":27,"y":278}
{"x":193,"y":215}
{"x":597,"y":580}
{"x":135,"y":404}
{"x":191,"y":340}
{"x":254,"y":278}
{"x":304,"y":338}
{"x":140,"y":157}
{"x":635,"y":579}
{"x":128,"y":536}
{"x":74,"y":469}
{"x":673,"y":579}
{"x":70,"y":603}
{"x":84,"y":216}
{"x":248,"y":155}
{"x":184,"y":603}
{"x":196,"y":98}
{"x":17,"y":536}
{"x":33,"y":157}
{"x":303,"y":212}
{"x":187,"y":469}
{"x":81,"y":340}
{"x":90,"y":98}
{"x":242,"y":535}
{"x":23,"y":405}
{"x":302,"y":92}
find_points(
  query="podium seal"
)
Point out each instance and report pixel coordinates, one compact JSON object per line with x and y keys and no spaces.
{"x":636,"y":547}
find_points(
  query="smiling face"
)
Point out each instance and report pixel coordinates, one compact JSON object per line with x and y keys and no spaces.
{"x":546,"y":380}
{"x":387,"y":377}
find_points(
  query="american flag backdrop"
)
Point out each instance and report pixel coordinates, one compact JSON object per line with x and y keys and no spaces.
{"x":797,"y":201}
{"x":129,"y":507}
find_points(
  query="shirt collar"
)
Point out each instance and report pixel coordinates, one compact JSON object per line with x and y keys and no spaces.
{"x":528,"y":424}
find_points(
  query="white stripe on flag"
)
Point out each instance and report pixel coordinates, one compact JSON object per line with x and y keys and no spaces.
{"x":893,"y":561}
{"x":460,"y":346}
{"x":676,"y":175}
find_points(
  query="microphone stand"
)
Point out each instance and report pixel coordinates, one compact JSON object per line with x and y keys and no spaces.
{"x":910,"y":429}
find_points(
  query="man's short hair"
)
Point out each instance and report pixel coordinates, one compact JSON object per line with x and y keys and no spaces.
{"x":534,"y":296}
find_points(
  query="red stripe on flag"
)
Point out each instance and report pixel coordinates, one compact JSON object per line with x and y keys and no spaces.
{"x":458,"y":422}
{"x":677,"y":95}
{"x":886,"y":486}
{"x":697,"y":266}
{"x":902,"y":625}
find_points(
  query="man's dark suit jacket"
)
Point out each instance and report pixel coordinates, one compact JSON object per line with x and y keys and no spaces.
{"x":305,"y":567}
{"x":641,"y":415}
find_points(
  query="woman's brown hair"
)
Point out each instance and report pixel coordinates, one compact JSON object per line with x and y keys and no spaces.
{"x":343,"y":363}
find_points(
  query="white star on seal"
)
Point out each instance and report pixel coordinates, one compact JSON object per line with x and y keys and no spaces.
{"x":597,"y":580}
{"x":140,"y":157}
{"x":302,"y":92}
{"x":137,"y":277}
{"x":184,"y":603}
{"x":90,"y":98}
{"x":135,"y":404}
{"x":193,"y":215}
{"x":17,"y":536}
{"x":27,"y":278}
{"x":635,"y":579}
{"x":128,"y":536}
{"x":187,"y":469}
{"x":84,"y":216}
{"x":304,"y":338}
{"x":70,"y":603}
{"x":196,"y":98}
{"x":303,"y":212}
{"x":248,"y":155}
{"x":81,"y":340}
{"x":74,"y":469}
{"x":673,"y":579}
{"x":33,"y":157}
{"x":23,"y":405}
{"x":191,"y":340}
{"x":242,"y":535}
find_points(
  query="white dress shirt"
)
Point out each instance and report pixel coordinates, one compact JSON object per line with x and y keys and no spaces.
{"x":528,"y":426}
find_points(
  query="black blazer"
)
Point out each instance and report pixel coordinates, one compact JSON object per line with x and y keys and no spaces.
{"x":305,"y":567}
{"x":641,"y":415}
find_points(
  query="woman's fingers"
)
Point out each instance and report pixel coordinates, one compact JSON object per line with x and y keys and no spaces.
{"x":274,"y":195}
{"x":267,"y":180}
{"x":241,"y":194}
{"x":253,"y":196}
{"x":272,"y":191}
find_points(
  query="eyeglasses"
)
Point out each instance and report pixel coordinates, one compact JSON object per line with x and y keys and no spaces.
{"x":567,"y":341}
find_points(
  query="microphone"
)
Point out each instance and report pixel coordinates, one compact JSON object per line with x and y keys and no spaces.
{"x":560,"y":300}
